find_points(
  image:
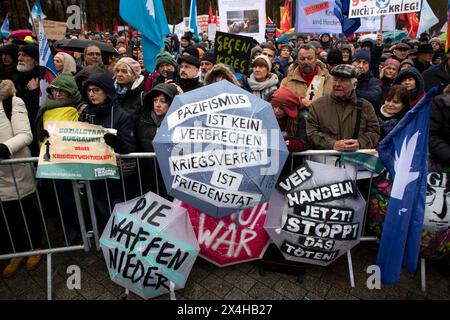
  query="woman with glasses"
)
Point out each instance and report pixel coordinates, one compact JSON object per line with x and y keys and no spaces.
{"x":102,"y":110}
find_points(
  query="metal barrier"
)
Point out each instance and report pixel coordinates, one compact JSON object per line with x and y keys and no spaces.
{"x":49,"y":246}
{"x":132,"y":167}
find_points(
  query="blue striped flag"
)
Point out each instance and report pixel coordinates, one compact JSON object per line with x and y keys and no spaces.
{"x":149,"y":17}
{"x":47,"y":70}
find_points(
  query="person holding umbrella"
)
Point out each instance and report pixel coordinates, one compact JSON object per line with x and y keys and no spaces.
{"x":156,"y":105}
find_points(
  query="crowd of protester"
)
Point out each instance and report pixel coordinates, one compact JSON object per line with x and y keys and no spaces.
{"x":326,"y":93}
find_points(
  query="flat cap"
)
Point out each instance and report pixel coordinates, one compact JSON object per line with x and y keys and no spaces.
{"x":345,"y":71}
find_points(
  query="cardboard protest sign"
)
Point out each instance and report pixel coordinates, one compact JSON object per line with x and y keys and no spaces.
{"x":220,"y":149}
{"x":149,"y":246}
{"x":54,"y":30}
{"x":76,"y":150}
{"x":239,"y":237}
{"x":234,"y":50}
{"x":367,"y":8}
{"x":316,"y":214}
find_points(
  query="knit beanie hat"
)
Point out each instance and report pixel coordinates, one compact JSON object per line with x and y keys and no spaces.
{"x":133,"y":64}
{"x":361,"y":54}
{"x":287,"y":100}
{"x":255,"y":49}
{"x":165,"y":57}
{"x":31,"y":50}
{"x":192,"y":51}
{"x":265,"y":59}
{"x":394,"y":62}
{"x":208,"y":56}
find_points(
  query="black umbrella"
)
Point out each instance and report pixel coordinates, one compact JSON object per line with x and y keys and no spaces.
{"x":78,"y":45}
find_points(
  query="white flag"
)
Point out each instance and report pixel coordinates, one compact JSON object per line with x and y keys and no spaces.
{"x":427,"y":18}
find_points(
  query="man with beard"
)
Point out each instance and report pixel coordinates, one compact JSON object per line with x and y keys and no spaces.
{"x":341,"y":121}
{"x":188,"y":74}
{"x":28,"y":84}
{"x":206,"y":63}
{"x":308,"y":78}
{"x":166,"y":68}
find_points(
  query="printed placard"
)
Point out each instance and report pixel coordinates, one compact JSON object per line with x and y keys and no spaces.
{"x":368,"y":8}
{"x":76,"y":150}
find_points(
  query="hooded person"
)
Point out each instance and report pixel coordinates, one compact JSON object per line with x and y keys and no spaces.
{"x":17,"y":183}
{"x":85,"y":73}
{"x":326,"y":41}
{"x":102,"y":110}
{"x":220,"y":72}
{"x":375,"y":55}
{"x":414,"y":83}
{"x":346,"y":53}
{"x":65,"y":63}
{"x":406,"y":64}
{"x":8,"y":64}
{"x":62,"y":103}
{"x":438,"y":76}
{"x":156,"y":104}
{"x":285,"y":105}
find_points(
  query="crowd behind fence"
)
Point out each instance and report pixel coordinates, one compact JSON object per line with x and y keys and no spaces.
{"x":48,"y":210}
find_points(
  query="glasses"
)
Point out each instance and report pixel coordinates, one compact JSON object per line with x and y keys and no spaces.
{"x":94,"y":90}
{"x":59,"y":91}
{"x":91,"y":54}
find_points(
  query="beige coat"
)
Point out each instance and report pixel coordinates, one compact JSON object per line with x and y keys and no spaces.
{"x":16,"y":135}
{"x":330,"y":120}
{"x":295,"y":82}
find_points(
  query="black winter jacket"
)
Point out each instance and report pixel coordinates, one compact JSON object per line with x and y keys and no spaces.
{"x":369,"y":88}
{"x":439,"y":142}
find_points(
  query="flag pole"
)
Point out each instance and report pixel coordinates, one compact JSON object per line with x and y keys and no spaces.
{"x":381,"y":24}
{"x":29,"y":14}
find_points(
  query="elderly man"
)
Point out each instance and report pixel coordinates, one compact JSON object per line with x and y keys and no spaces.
{"x":341,"y":121}
{"x":308,"y":77}
{"x":188,"y":74}
{"x":400,"y":51}
{"x":206,"y":64}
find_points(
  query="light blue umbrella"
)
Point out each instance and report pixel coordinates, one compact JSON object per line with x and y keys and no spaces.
{"x":220,"y":149}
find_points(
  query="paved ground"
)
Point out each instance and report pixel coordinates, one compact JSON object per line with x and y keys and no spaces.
{"x":244,"y":281}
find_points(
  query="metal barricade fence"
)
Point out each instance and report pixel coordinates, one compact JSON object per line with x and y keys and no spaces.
{"x":53,"y":227}
{"x":139,"y":172}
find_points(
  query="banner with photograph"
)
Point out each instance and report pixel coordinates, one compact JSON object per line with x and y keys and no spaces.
{"x":244,"y":18}
{"x":76,"y":151}
{"x":318,"y":17}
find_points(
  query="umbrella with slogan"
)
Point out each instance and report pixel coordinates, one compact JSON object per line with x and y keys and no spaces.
{"x":316,"y":214}
{"x":220,"y":149}
{"x":149,"y":246}
{"x":237,"y":238}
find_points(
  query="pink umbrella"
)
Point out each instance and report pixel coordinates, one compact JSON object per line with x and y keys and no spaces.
{"x":236,"y":238}
{"x":21,"y":34}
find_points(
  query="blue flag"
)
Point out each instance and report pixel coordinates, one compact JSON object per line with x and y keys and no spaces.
{"x":404,"y":152}
{"x":341,"y":10}
{"x":193,"y":17}
{"x":149,"y":17}
{"x":5,"y":25}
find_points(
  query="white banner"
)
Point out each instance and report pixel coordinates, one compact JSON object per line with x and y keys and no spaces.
{"x":368,"y":8}
{"x":318,"y":17}
{"x":247,"y":18}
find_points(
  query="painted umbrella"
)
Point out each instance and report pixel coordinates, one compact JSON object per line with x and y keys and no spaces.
{"x":237,"y":238}
{"x":149,"y":246}
{"x":316,"y":214}
{"x":220,"y":149}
